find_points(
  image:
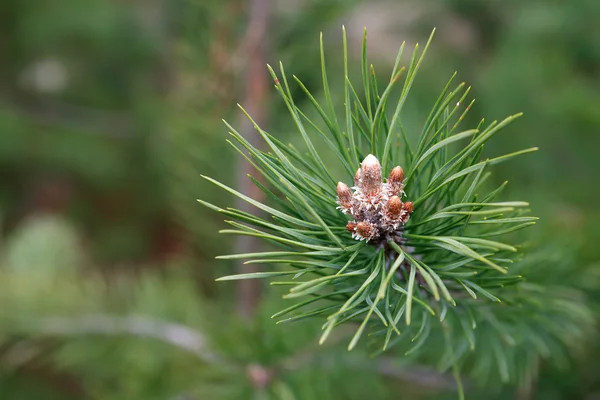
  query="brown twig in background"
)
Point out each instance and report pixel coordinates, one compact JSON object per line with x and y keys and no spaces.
{"x":255,"y":99}
{"x":527,"y":390}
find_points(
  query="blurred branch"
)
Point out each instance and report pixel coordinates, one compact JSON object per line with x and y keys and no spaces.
{"x":26,"y":359}
{"x":177,"y":335}
{"x":306,"y":355}
{"x":420,"y":376}
{"x":386,"y":366}
{"x":255,"y":100}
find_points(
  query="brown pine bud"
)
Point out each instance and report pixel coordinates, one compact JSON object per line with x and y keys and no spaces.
{"x":365,"y":230}
{"x":371,"y":175}
{"x":393,"y":208}
{"x":408,"y":207}
{"x":357,"y":177}
{"x":344,"y":195}
{"x":396,"y":179}
{"x":351,"y":226}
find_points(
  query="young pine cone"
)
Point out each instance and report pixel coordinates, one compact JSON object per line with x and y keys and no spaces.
{"x":376,"y":207}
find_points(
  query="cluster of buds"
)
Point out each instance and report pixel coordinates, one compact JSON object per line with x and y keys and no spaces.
{"x":376,"y":207}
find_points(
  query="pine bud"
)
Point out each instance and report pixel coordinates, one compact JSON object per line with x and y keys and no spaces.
{"x":365,"y":230}
{"x":344,"y":196}
{"x":396,"y":179}
{"x":408,"y":207}
{"x":351,"y":226}
{"x":393,"y":208}
{"x":371,"y":175}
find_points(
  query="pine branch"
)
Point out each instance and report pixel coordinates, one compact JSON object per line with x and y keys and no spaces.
{"x":427,"y":260}
{"x":448,"y":232}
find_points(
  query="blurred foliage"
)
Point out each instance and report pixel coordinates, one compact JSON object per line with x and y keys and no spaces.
{"x":158,"y":339}
{"x":541,"y":58}
{"x":47,"y":242}
{"x":110,"y":110}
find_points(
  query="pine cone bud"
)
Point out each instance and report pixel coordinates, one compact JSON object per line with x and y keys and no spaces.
{"x":376,"y":207}
{"x":396,"y":179}
{"x":371,"y":174}
{"x":366,"y":230}
{"x":344,"y":196}
{"x":393,"y":208}
{"x":351,"y":226}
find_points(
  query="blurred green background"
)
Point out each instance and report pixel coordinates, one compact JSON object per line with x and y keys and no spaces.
{"x":111,"y":110}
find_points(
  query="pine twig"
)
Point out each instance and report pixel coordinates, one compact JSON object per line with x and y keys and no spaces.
{"x":255,"y":101}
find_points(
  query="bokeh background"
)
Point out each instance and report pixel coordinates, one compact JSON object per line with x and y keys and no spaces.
{"x":111,"y":110}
